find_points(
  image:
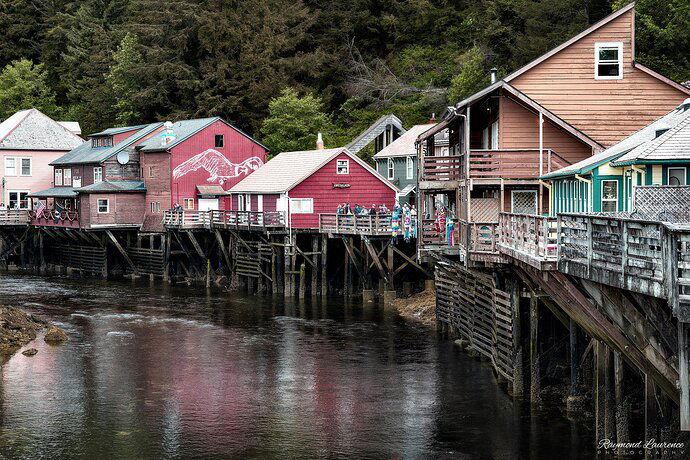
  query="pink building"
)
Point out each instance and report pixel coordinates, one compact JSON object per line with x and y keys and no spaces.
{"x":29,"y":142}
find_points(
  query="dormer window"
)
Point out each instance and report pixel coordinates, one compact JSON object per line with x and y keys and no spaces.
{"x":102,"y":141}
{"x":608,"y":61}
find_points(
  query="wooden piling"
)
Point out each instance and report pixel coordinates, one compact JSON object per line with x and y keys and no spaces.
{"x":518,"y":352}
{"x":208,"y":273}
{"x":535,"y":384}
{"x":391,"y":268}
{"x":609,"y":395}
{"x":622,"y":409}
{"x":315,"y":267}
{"x":683,"y":376}
{"x":347,"y":273}
{"x":324,"y":265}
{"x":651,"y":413}
{"x":302,"y":280}
{"x":287,"y":275}
{"x":600,"y":391}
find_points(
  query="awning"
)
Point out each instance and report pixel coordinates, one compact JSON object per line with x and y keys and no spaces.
{"x":407,"y":190}
{"x":55,"y":192}
{"x":214,"y":190}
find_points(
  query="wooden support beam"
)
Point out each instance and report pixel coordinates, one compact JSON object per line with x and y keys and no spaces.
{"x":535,"y":377}
{"x":122,"y":251}
{"x":305,"y":257}
{"x":324,"y":265}
{"x":413,"y":262}
{"x":315,"y":265}
{"x":376,"y":260}
{"x":350,"y":251}
{"x":600,"y":391}
{"x":622,"y":405}
{"x":574,"y":349}
{"x":221,"y":245}
{"x":683,"y":374}
{"x":391,"y":268}
{"x":651,"y":413}
{"x":195,"y":243}
{"x":518,"y":351}
{"x":347,"y":273}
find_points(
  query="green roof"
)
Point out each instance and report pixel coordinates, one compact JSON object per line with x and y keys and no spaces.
{"x":113,"y":186}
{"x":55,"y":192}
{"x":86,"y":154}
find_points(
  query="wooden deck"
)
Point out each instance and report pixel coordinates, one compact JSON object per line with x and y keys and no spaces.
{"x":237,"y":220}
{"x":51,"y":218}
{"x":14,"y":217}
{"x":530,"y":239}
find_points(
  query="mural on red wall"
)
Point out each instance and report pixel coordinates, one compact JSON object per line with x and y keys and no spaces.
{"x":218,"y":166}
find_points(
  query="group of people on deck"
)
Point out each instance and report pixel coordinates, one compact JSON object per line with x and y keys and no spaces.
{"x":444,"y":224}
{"x":358,"y":210}
{"x":403,"y":219}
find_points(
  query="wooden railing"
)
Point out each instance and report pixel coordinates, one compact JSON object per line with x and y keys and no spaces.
{"x":439,"y":168}
{"x":532,"y":239}
{"x":483,"y":237}
{"x":431,"y":236}
{"x":247,"y":219}
{"x":14,"y":217}
{"x":242,"y":220}
{"x":513,"y":164}
{"x":54,"y":218}
{"x":349,"y":224}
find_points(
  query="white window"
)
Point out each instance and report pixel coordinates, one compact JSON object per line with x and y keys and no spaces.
{"x":18,"y":199}
{"x":391,"y":169}
{"x":67,"y":177}
{"x":155,"y":207}
{"x":103,"y":206}
{"x":608,"y":61}
{"x":302,"y":205}
{"x":342,"y":167}
{"x":260,"y":203}
{"x":409,"y":168}
{"x":76,"y":182}
{"x":677,"y":176}
{"x":609,"y":196}
{"x":494,"y":135}
{"x":97,"y":174}
{"x":189,"y":203}
{"x":10,"y":166}
{"x":524,"y":202}
{"x":58,"y":177}
{"x":26,"y":166}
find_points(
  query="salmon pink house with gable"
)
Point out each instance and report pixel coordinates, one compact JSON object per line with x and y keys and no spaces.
{"x":306,"y":184}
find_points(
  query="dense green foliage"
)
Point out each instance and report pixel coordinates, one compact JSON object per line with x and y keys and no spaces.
{"x":22,"y":86}
{"x":108,"y":62}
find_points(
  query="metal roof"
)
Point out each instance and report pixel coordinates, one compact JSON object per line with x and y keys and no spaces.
{"x":372,"y":132}
{"x":85,"y":154}
{"x":211,"y":190}
{"x":113,"y":186}
{"x":55,"y":192}
{"x":405,"y":144}
{"x":33,"y":130}
{"x":122,"y":129}
{"x":288,"y":169}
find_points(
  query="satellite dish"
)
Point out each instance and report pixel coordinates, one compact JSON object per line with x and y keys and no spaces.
{"x":123,"y":157}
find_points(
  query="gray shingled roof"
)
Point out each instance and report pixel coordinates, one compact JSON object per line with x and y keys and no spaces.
{"x":85,"y":154}
{"x":114,"y":186}
{"x":55,"y":192}
{"x":122,"y":129}
{"x":32,"y":130}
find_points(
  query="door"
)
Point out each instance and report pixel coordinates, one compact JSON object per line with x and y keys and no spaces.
{"x":524,"y":202}
{"x":209,"y":204}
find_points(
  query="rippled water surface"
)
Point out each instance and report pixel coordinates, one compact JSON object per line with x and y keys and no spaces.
{"x":158,"y":372}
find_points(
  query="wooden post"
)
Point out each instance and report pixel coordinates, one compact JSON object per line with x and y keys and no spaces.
{"x":274,"y":271}
{"x":391,"y":267}
{"x":42,"y":261}
{"x":315,"y":268}
{"x":518,"y":368}
{"x":535,"y":388}
{"x":600,"y":391}
{"x":622,"y":412}
{"x":302,"y":280}
{"x":651,"y":413}
{"x":574,"y":359}
{"x":609,"y":395}
{"x":324,"y":265}
{"x":165,"y":243}
{"x":683,"y":376}
{"x":208,"y":273}
{"x":347,"y":288}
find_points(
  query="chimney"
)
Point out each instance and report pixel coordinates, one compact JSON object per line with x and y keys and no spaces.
{"x":319,"y":142}
{"x":433,"y":118}
{"x":168,"y":135}
{"x":494,"y":71}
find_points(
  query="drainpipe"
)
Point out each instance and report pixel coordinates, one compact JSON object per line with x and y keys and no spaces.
{"x":541,"y":160}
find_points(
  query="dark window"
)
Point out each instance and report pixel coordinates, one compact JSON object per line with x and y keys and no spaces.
{"x":220,"y":141}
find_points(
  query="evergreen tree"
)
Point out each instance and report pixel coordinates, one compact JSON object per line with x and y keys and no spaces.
{"x":23,"y":86}
{"x":23,"y":24}
{"x":473,"y":76}
{"x":294,"y":122}
{"x":124,"y":81}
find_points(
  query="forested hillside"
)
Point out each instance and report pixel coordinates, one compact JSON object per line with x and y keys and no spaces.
{"x":108,"y":62}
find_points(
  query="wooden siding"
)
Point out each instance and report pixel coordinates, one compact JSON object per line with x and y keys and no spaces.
{"x":518,"y":128}
{"x":269,"y":202}
{"x":365,"y":189}
{"x":237,"y":148}
{"x":158,"y":187}
{"x":125,"y":209}
{"x":41,"y":177}
{"x":605,"y":110}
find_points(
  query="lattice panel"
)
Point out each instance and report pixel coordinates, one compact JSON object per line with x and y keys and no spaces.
{"x":665,"y":203}
{"x":485,"y":209}
{"x":524,"y":203}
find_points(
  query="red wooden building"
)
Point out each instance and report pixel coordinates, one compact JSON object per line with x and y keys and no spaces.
{"x":127,"y":177}
{"x":308,"y":183}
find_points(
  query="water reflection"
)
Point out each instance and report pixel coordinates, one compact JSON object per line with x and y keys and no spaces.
{"x":153,"y":371}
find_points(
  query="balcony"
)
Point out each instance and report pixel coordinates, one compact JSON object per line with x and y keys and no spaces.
{"x":53,"y":218}
{"x":513,"y":164}
{"x":348,"y":224}
{"x":237,"y":220}
{"x":14,"y":217}
{"x":441,"y":168}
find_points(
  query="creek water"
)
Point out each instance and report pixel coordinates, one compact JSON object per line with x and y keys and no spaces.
{"x":152,"y":371}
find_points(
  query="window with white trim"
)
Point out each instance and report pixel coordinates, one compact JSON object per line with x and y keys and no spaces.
{"x":608,"y":61}
{"x":677,"y":176}
{"x":301,"y":205}
{"x":189,"y":203}
{"x":103,"y":206}
{"x":609,"y":196}
{"x":10,"y":166}
{"x":25,"y":166}
{"x":58,"y":177}
{"x":342,"y":167}
{"x":97,"y":174}
{"x":18,"y":199}
{"x":67,"y":176}
{"x":391,"y":169}
{"x":409,"y":168}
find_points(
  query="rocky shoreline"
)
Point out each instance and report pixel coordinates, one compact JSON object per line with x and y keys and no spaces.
{"x":17,"y":328}
{"x":420,"y":308}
